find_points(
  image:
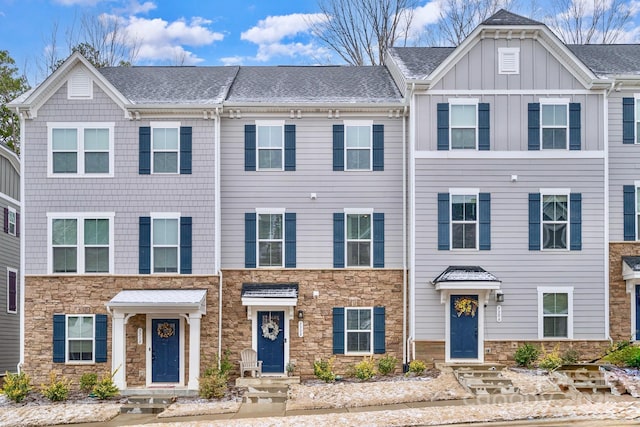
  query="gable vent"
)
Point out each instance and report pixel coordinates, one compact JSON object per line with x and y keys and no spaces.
{"x":509,"y":60}
{"x":79,"y":85}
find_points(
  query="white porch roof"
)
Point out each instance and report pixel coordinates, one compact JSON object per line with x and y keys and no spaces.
{"x":153,"y":300}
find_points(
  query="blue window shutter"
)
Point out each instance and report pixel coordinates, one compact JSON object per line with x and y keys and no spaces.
{"x":378,"y":240}
{"x":144,"y":154}
{"x":534,"y":221}
{"x":378,"y":330}
{"x":443,"y":126}
{"x":628,"y":121}
{"x":629,"y":211}
{"x":534,"y":126}
{"x":378,"y":147}
{"x":574,"y":126}
{"x":484,"y":133}
{"x":59,"y":332}
{"x":338,"y":240}
{"x":290,"y":240}
{"x":6,"y":220}
{"x":185,"y":245}
{"x":250,"y":240}
{"x":443,"y":222}
{"x":185,"y":150}
{"x":338,"y":330}
{"x":17,"y":224}
{"x":144,"y":246}
{"x":338,"y":147}
{"x":101,"y":338}
{"x":289,"y":147}
{"x":575,"y":221}
{"x":485,"y":221}
{"x":249,"y":147}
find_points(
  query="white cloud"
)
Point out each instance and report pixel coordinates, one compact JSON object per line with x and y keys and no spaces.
{"x":136,"y":7}
{"x":233,"y":60}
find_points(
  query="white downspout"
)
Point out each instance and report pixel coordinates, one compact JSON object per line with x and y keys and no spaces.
{"x":22,"y":239}
{"x":218,"y":228}
{"x":411,"y":203}
{"x":404,"y":237}
{"x":607,"y":328}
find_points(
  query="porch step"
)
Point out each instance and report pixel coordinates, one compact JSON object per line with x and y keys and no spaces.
{"x":586,"y":378}
{"x":266,"y":394}
{"x":484,"y":379}
{"x":146,"y":404}
{"x":266,"y":381}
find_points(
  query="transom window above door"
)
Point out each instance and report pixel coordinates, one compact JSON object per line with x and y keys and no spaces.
{"x":270,"y":145}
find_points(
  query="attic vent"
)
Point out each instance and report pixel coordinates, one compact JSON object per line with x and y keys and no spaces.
{"x":79,"y":85}
{"x":509,"y":60}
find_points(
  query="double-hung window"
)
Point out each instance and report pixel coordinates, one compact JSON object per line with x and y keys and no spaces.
{"x":359,"y":330}
{"x":358,"y":145}
{"x":270,"y":145}
{"x":555,"y":312}
{"x":165,"y":147}
{"x":81,"y":243}
{"x":80,"y":333}
{"x":359,"y":243}
{"x":463,"y":123}
{"x":165,"y":243}
{"x":555,"y":221}
{"x":11,"y":221}
{"x":80,"y":149}
{"x":270,"y":239}
{"x":464,"y":221}
{"x":554,"y":123}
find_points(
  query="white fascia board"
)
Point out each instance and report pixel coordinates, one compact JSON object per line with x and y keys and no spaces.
{"x":275,"y":302}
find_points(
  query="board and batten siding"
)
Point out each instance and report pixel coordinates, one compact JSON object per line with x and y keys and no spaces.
{"x":128,"y":194}
{"x":510,"y":260}
{"x":478,"y":68}
{"x":244,"y":191}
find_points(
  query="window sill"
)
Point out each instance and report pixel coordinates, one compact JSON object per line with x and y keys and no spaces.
{"x":78,"y":363}
{"x":360,"y":353}
{"x":80,"y":175}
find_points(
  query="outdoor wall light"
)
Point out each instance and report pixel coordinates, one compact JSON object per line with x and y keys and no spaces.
{"x":499,"y":297}
{"x":300,"y":314}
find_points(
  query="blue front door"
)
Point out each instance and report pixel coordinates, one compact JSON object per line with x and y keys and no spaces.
{"x":271,"y":340}
{"x":165,"y":350}
{"x":464,"y":312}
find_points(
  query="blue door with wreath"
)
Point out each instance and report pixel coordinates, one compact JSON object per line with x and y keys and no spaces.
{"x":271,"y":340}
{"x":165,"y":350}
{"x":463,"y":325}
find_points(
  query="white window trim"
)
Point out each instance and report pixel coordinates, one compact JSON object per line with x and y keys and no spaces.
{"x":353,"y":123}
{"x":165,"y":215}
{"x":464,"y":192}
{"x":269,"y":211}
{"x":555,"y":290}
{"x":554,"y":101}
{"x":79,"y":127}
{"x":635,"y":207}
{"x":463,"y":101}
{"x":273,"y":123}
{"x":15,"y":221}
{"x":555,"y":192}
{"x":346,"y":333}
{"x":355,"y":211}
{"x":67,"y":339}
{"x":165,"y":125}
{"x":636,"y":119}
{"x":80,"y":217}
{"x":503,"y":52}
{"x":12,"y":270}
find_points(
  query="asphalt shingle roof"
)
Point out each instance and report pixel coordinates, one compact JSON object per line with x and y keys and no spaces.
{"x":504,"y":17}
{"x":419,"y":62}
{"x":467,"y":273}
{"x":171,"y":85}
{"x":608,"y":59}
{"x":314,"y":84}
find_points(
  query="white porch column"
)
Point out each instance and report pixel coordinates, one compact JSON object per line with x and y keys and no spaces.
{"x":118,"y":350}
{"x":194,"y":351}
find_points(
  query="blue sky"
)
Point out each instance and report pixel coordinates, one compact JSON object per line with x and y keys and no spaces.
{"x":201,"y":32}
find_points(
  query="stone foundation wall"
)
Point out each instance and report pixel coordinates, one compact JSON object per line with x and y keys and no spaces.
{"x":49,"y":295}
{"x":433,"y":352}
{"x":619,"y":300}
{"x":337,"y":288}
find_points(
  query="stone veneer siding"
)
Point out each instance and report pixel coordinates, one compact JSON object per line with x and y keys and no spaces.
{"x":337,"y":288}
{"x":49,"y":295}
{"x":619,"y":300}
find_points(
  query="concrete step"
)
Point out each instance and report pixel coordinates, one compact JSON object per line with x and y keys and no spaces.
{"x":266,"y":381}
{"x":492,"y":389}
{"x":146,"y":404}
{"x":266,"y":394}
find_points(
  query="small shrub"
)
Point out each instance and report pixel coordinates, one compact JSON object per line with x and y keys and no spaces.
{"x":16,"y":386}
{"x":526,"y":354}
{"x":105,"y":388}
{"x":56,"y":390}
{"x":366,"y":369}
{"x":628,"y":356}
{"x":323,"y":369}
{"x":213,"y":386}
{"x":570,"y":356}
{"x":550,"y":361}
{"x":88,"y":381}
{"x":417,"y":367}
{"x":387,"y":365}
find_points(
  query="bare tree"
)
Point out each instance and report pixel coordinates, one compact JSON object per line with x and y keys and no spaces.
{"x":589,"y":21}
{"x":458,"y":18}
{"x":360,"y":32}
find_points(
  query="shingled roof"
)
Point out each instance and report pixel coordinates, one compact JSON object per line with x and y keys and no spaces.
{"x":504,"y":17}
{"x":419,"y":62}
{"x":609,"y":59}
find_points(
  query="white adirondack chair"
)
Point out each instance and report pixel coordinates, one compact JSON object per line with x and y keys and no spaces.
{"x":249,"y":362}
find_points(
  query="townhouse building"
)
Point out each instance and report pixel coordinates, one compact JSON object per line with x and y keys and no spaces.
{"x":10,"y":293}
